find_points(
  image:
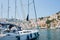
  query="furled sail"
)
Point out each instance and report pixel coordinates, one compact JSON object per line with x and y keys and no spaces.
{"x":27,"y":17}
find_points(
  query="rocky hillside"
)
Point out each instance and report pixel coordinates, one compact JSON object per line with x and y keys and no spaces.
{"x":50,"y":21}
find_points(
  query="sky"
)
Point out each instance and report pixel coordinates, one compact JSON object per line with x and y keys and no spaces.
{"x":43,"y":8}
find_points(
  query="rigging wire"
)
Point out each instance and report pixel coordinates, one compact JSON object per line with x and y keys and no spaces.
{"x":35,"y":10}
{"x":35,"y":13}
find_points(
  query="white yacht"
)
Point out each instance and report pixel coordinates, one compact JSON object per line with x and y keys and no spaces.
{"x":8,"y":32}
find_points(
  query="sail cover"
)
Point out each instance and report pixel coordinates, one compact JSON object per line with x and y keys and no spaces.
{"x":27,"y":17}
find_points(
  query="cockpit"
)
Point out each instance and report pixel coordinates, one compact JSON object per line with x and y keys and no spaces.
{"x":8,"y":27}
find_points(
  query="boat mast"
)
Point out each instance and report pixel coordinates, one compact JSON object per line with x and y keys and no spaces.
{"x":8,"y":9}
{"x":15,"y":9}
{"x":22,"y":9}
{"x":1,"y":10}
{"x":28,"y":6}
{"x":28,"y":12}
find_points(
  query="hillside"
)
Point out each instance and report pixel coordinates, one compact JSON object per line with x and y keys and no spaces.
{"x":50,"y":21}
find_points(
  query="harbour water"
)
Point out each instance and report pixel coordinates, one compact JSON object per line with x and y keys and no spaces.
{"x":49,"y":34}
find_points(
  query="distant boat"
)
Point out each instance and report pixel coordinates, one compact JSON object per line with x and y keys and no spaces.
{"x":43,"y":27}
{"x":52,"y":27}
{"x":57,"y":27}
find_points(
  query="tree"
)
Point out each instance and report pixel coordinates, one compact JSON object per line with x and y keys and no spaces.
{"x":58,"y":13}
{"x":58,"y":17}
{"x":48,"y":23}
{"x":41,"y":18}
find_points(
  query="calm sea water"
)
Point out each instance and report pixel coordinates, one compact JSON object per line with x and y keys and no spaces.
{"x":49,"y":34}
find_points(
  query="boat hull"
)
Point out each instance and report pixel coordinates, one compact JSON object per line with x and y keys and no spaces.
{"x":21,"y":36}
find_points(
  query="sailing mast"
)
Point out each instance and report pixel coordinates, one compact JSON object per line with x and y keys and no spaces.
{"x":34,"y":10}
{"x":22,"y":9}
{"x":15,"y":9}
{"x":8,"y":9}
{"x":28,"y":12}
{"x":1,"y":10}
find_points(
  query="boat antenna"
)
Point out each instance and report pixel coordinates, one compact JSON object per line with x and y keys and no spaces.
{"x":15,"y":9}
{"x":1,"y":10}
{"x":8,"y":9}
{"x":35,"y":12}
{"x":28,"y":12}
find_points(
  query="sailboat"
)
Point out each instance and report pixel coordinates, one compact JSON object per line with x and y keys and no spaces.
{"x":10,"y":31}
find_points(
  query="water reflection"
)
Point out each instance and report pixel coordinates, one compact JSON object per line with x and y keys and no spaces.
{"x":49,"y":34}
